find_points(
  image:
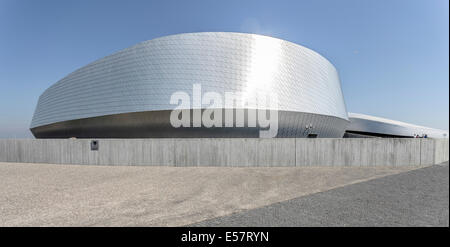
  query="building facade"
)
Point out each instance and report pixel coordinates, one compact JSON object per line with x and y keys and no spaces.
{"x":128,"y":94}
{"x":370,"y":126}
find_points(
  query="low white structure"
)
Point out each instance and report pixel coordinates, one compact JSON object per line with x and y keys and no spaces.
{"x":377,"y":126}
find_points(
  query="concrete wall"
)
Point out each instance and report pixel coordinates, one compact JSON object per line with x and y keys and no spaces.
{"x":229,"y":152}
{"x":441,"y":150}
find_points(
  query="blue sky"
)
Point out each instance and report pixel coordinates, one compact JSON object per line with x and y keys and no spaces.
{"x":392,"y":56}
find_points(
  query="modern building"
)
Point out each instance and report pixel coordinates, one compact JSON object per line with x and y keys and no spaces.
{"x":369,"y":126}
{"x":128,"y":94}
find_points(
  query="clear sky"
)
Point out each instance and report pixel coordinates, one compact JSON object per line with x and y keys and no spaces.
{"x":392,"y":55}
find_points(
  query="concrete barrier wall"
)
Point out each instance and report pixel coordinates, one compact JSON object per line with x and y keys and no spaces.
{"x":441,"y":150}
{"x":229,"y":152}
{"x":359,"y":152}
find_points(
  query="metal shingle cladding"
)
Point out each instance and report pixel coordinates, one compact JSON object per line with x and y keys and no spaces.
{"x":143,"y":77}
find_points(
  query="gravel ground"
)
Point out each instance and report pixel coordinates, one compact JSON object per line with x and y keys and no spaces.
{"x":415,"y":198}
{"x":74,"y":195}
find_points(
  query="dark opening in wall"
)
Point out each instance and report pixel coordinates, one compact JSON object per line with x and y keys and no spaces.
{"x":94,"y":145}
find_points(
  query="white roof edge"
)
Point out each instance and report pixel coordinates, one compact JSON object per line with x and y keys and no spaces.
{"x":389,"y":121}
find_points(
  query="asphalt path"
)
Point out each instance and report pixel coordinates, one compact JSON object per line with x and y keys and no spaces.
{"x":414,"y":198}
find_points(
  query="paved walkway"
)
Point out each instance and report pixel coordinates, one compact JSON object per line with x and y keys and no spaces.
{"x":415,"y":198}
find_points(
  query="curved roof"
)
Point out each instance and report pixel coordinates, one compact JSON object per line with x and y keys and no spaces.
{"x":372,"y":124}
{"x":143,"y":77}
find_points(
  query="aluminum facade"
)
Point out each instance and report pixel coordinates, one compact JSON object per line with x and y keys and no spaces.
{"x":155,"y":124}
{"x":143,"y":78}
{"x":370,"y":124}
